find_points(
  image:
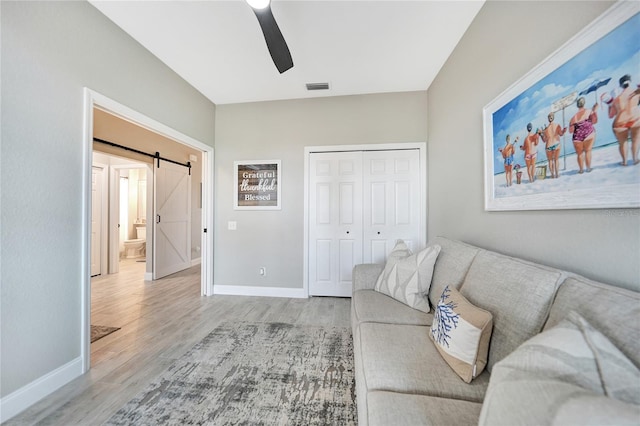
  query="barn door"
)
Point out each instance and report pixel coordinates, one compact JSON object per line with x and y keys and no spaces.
{"x":172,"y":224}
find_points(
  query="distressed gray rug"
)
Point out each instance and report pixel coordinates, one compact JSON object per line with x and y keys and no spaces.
{"x":254,"y":374}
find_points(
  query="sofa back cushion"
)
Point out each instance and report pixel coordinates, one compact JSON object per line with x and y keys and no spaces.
{"x":516,"y":292}
{"x":451,"y":267}
{"x":614,"y":311}
{"x":557,"y":377}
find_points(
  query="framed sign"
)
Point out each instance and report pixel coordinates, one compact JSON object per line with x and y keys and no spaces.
{"x":257,"y":185}
{"x":567,"y":134}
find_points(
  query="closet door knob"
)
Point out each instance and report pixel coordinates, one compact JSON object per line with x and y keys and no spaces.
{"x":347,"y":232}
{"x":378,"y":232}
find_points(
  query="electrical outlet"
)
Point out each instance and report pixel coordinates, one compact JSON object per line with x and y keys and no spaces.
{"x":232,"y":225}
{"x":263,"y":271}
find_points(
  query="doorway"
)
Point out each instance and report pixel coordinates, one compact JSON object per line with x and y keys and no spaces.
{"x":97,"y":102}
{"x":120,"y":218}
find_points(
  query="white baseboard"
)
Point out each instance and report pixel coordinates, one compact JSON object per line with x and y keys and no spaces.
{"x":23,"y":398}
{"x":195,"y":262}
{"x":239,"y":290}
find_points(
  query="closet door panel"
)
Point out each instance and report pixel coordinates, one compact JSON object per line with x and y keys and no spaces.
{"x":335,"y":222}
{"x":402,"y":203}
{"x":323,"y":261}
{"x":347,"y":259}
{"x":379,"y":251}
{"x":391,"y":185}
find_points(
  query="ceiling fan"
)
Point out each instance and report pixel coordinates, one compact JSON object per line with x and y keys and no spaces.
{"x":272,"y":36}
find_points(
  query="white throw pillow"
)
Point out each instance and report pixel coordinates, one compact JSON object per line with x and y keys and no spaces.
{"x":407,"y":277}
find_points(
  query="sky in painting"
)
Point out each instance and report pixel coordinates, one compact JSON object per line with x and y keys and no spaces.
{"x":612,"y":56}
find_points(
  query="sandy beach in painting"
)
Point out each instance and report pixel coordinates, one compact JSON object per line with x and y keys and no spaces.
{"x":607,"y":179}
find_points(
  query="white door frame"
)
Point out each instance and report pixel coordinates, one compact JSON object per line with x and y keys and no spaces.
{"x":93,"y":100}
{"x":104,"y":224}
{"x":308,"y":150}
{"x":114,"y":216}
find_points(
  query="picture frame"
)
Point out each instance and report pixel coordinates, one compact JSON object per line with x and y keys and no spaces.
{"x":257,"y":185}
{"x":540,"y":115}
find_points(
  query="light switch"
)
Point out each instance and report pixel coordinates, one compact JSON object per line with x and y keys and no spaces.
{"x":233,"y":225}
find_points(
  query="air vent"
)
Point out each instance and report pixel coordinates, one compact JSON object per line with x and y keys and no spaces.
{"x":317,"y":86}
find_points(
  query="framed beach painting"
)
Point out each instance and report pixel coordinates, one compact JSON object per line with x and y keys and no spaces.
{"x":257,"y":185}
{"x":567,"y":135}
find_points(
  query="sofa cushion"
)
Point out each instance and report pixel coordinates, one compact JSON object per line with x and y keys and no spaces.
{"x":596,"y":410}
{"x":401,"y":358}
{"x":516,"y":292}
{"x":365,"y":275}
{"x":571,"y":360}
{"x":461,"y":333}
{"x":407,"y":277}
{"x":390,"y":408}
{"x":453,"y":263}
{"x":371,"y":306}
{"x":361,"y":387}
{"x":612,"y":310}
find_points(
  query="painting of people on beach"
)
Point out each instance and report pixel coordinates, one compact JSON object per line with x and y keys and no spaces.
{"x":567,"y":135}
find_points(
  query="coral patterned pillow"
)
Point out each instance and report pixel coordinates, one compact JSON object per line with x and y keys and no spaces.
{"x":461,"y":333}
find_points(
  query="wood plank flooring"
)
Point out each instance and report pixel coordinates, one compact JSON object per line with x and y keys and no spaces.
{"x":159,"y":322}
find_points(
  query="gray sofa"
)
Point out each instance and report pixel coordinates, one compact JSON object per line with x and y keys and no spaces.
{"x":401,"y":379}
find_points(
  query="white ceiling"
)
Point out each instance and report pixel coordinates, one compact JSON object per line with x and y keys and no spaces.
{"x":356,"y":46}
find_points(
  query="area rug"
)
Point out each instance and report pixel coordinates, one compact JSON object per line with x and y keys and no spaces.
{"x":254,"y":374}
{"x":99,"y":331}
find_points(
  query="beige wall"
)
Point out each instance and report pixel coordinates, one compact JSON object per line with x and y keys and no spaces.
{"x":281,"y":130}
{"x":504,"y":42}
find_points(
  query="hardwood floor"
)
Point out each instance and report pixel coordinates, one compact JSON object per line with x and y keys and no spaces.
{"x":159,"y":322}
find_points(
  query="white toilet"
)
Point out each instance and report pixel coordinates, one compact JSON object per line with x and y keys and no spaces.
{"x":137,"y":247}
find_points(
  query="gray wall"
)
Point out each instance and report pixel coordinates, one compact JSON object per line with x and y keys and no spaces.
{"x":281,"y":130}
{"x":495,"y":52}
{"x":50,"y":51}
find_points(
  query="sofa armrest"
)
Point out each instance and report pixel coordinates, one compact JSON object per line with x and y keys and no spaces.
{"x":365,"y":276}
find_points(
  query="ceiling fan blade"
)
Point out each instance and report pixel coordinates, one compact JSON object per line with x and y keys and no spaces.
{"x":275,"y":41}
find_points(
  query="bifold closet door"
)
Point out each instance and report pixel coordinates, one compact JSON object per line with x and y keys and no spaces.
{"x":392,"y":200}
{"x":335,"y":221}
{"x":360,"y":203}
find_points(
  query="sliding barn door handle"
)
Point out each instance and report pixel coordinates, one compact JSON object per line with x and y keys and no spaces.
{"x":157,"y":218}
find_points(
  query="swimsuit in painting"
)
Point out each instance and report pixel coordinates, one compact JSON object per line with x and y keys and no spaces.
{"x":629,"y":124}
{"x":531,"y":156}
{"x":508,"y":161}
{"x":582,"y":130}
{"x":554,"y":147}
